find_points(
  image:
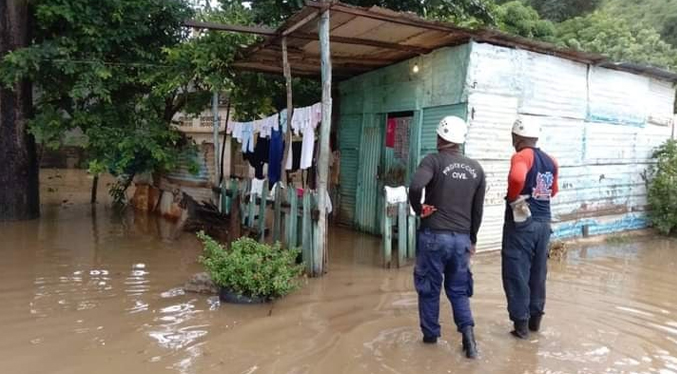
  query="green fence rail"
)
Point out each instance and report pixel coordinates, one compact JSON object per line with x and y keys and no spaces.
{"x":281,"y":216}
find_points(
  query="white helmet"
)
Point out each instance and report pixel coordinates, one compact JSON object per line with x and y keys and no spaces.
{"x":527,"y":127}
{"x":452,"y":129}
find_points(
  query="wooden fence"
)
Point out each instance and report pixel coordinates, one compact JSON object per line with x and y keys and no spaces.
{"x":286,"y":218}
{"x":398,"y":224}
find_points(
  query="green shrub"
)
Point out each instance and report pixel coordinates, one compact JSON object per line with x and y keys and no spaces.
{"x":663,"y":189}
{"x":250,"y":268}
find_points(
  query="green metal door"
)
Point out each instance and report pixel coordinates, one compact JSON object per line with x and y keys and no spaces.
{"x":368,"y":186}
{"x":431,"y":118}
{"x":394,"y":167}
{"x":350,"y":134}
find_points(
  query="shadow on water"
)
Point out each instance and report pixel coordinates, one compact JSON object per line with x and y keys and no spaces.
{"x":90,"y":290}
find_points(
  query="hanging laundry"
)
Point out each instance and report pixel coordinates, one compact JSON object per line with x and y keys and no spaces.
{"x":237,"y":131}
{"x":283,"y":121}
{"x":247,"y":138}
{"x":257,"y":187}
{"x":274,"y":122}
{"x":391,"y":126}
{"x":308,"y":146}
{"x":316,"y":114}
{"x":275,"y":156}
{"x":300,"y":120}
{"x":257,"y":125}
{"x":294,"y":156}
{"x":261,"y":155}
{"x":267,"y":125}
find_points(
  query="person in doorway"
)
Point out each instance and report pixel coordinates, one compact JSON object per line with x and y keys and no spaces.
{"x":450,"y":218}
{"x":532,"y":183}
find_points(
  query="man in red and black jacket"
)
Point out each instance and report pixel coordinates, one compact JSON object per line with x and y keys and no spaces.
{"x":532,"y":183}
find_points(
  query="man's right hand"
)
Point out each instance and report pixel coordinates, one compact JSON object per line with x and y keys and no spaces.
{"x":427,"y":210}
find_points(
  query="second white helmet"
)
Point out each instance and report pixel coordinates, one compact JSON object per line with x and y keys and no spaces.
{"x":527,"y":127}
{"x":453,"y":129}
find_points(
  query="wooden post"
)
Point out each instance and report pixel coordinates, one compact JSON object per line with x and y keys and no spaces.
{"x":287,"y":220}
{"x":290,"y":109}
{"x":262,"y":212}
{"x":292,"y":220}
{"x":307,"y":230}
{"x":244,"y":202}
{"x":235,"y":230}
{"x":387,"y":237}
{"x":252,"y":207}
{"x":411,"y":253}
{"x":325,"y":130}
{"x":277,"y":218}
{"x":235,"y":187}
{"x":95,"y":188}
{"x":217,"y":149}
{"x":314,"y":225}
{"x":402,"y":228}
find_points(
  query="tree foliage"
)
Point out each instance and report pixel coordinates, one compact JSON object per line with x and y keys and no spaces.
{"x":120,"y":70}
{"x":274,"y":12}
{"x":516,"y":18}
{"x":662,"y":194}
{"x":93,"y":65}
{"x":617,"y":39}
{"x":658,"y":14}
{"x":560,"y":10}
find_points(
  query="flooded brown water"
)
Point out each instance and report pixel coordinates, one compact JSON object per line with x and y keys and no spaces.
{"x":89,"y":290}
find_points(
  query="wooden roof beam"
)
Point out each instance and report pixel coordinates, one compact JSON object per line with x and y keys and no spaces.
{"x":233,"y":28}
{"x":299,"y":55}
{"x":301,"y":23}
{"x":366,"y":42}
{"x":310,"y":65}
{"x":297,"y":72}
{"x":399,"y":18}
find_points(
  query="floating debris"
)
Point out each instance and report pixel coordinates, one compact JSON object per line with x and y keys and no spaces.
{"x":558,"y":251}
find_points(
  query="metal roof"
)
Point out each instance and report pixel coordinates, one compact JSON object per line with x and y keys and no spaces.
{"x":365,"y":39}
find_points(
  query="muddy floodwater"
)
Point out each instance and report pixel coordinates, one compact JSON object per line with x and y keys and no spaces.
{"x":90,"y":290}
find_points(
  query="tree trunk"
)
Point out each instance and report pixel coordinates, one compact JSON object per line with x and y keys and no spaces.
{"x":19,"y":185}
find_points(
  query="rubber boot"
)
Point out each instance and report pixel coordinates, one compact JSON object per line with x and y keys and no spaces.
{"x":469,"y":344}
{"x":430,"y":339}
{"x":535,"y":323}
{"x":521,"y":330}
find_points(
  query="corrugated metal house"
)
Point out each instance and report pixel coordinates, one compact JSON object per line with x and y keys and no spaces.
{"x":601,"y":120}
{"x":601,"y":124}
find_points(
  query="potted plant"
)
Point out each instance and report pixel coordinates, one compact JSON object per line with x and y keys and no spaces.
{"x":250,"y":272}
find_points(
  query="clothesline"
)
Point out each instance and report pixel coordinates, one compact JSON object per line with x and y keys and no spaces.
{"x":303,"y":118}
{"x":263,"y":141}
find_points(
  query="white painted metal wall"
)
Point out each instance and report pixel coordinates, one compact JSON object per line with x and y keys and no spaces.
{"x":602,"y":126}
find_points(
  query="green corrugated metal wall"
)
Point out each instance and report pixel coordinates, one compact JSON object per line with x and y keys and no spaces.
{"x":365,"y":101}
{"x":431,"y":118}
{"x":350,"y":130}
{"x":368,"y":190}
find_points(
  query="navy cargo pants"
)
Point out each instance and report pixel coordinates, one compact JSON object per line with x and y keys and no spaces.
{"x":525,"y":267}
{"x":443,"y":257}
